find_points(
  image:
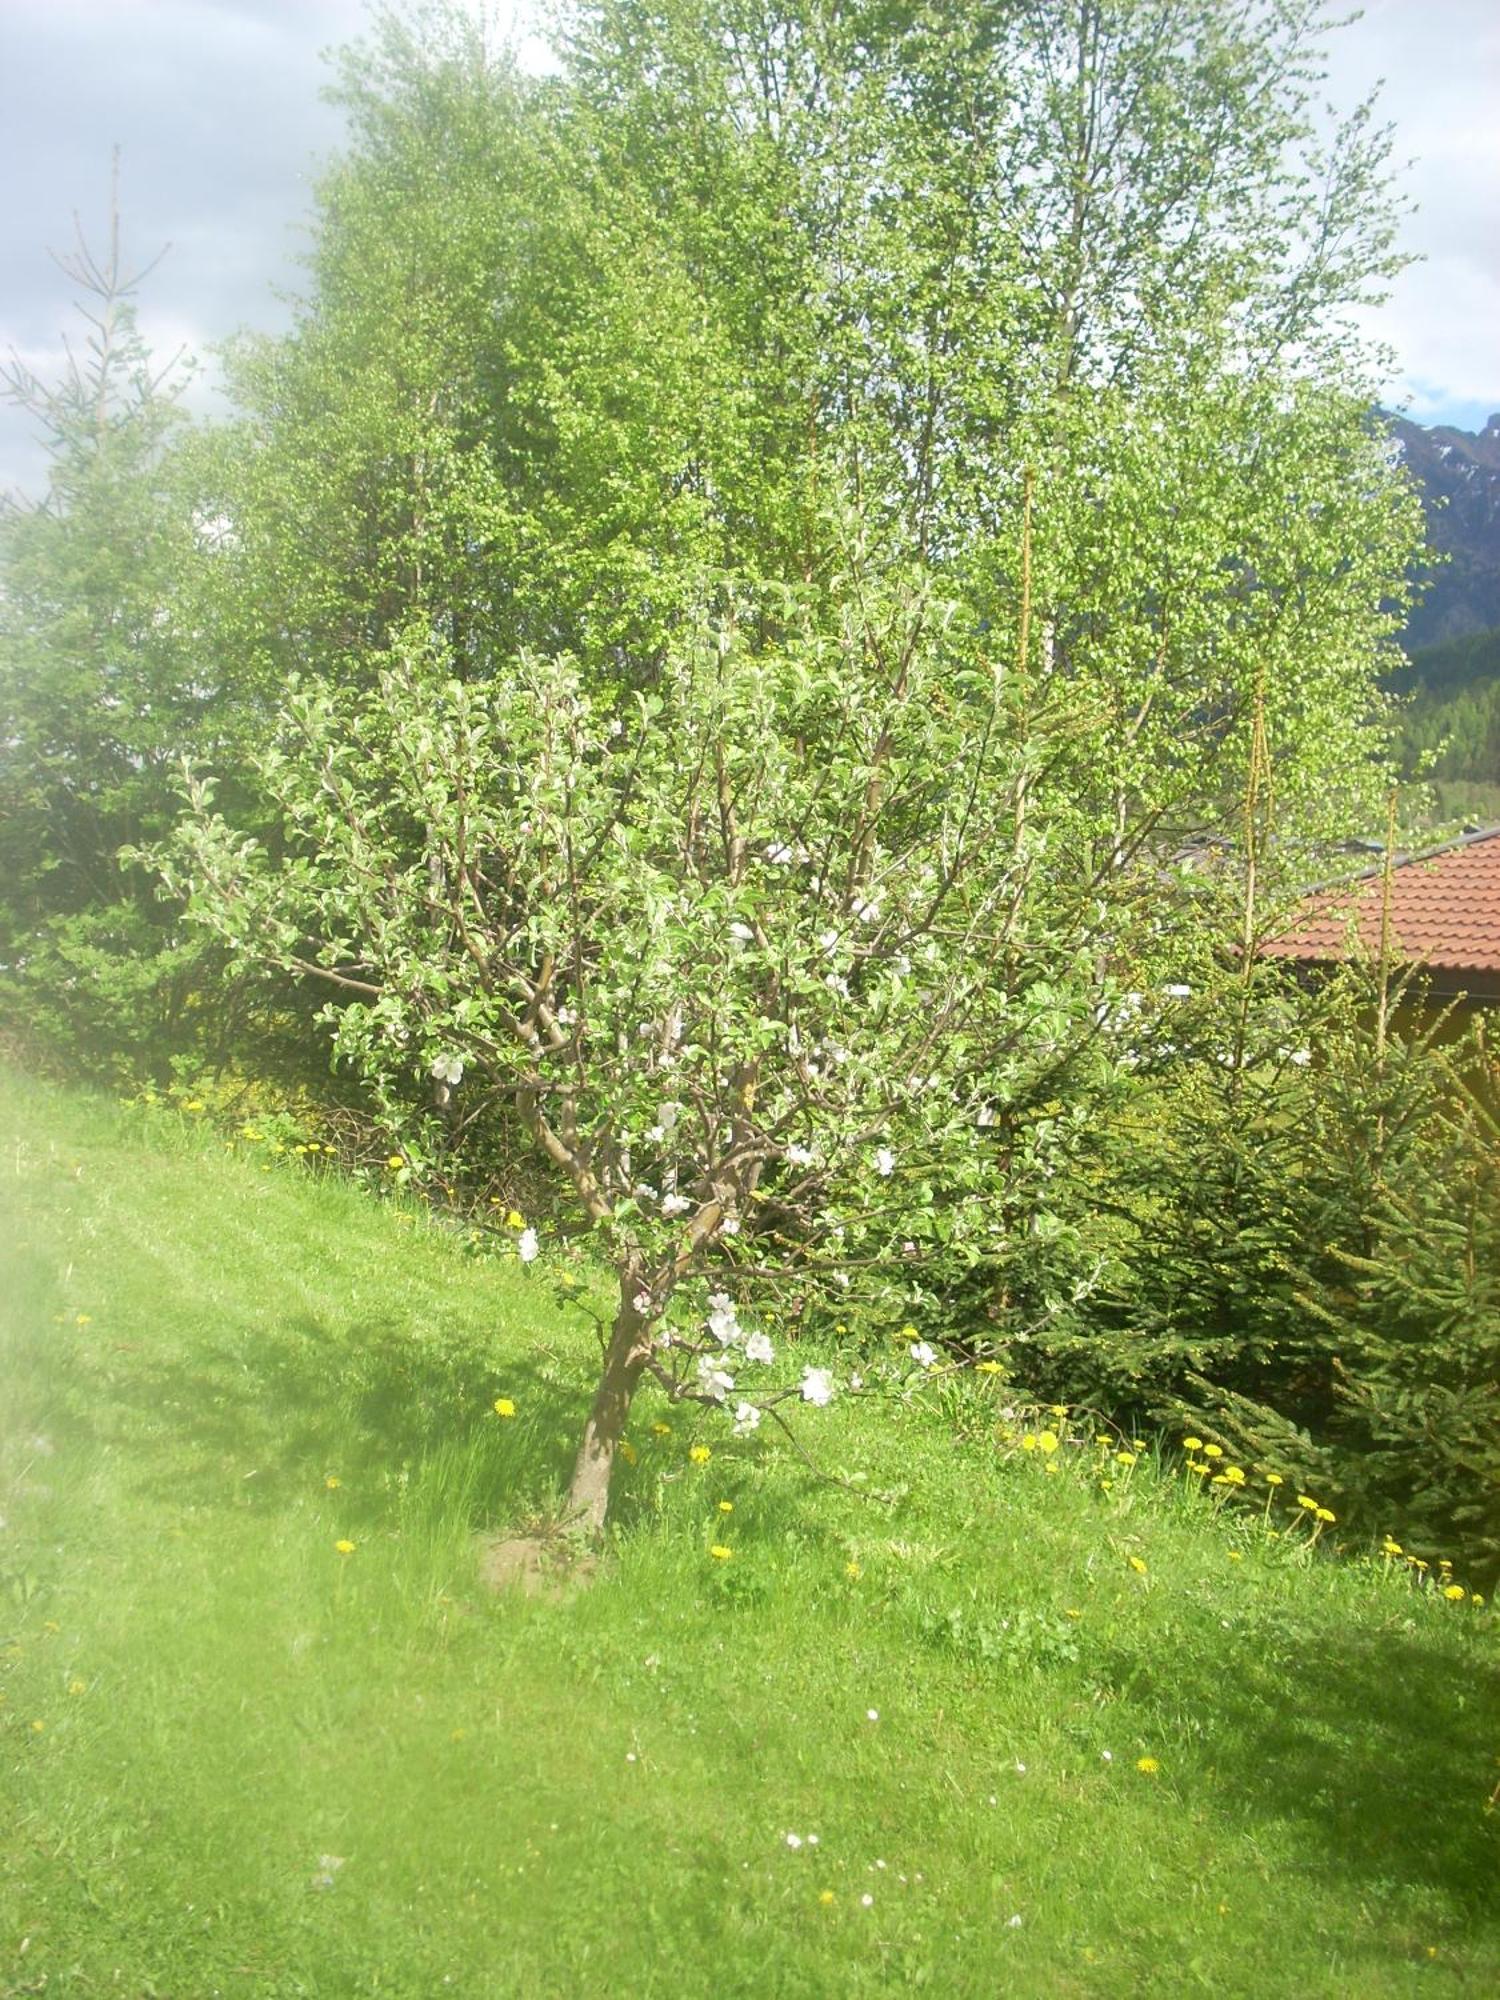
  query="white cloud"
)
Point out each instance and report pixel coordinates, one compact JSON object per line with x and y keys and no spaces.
{"x":1438,"y":65}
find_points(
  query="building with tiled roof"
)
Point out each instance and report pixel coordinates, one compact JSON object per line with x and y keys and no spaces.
{"x":1444,"y":918}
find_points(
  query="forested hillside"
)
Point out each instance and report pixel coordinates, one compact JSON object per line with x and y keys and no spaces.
{"x":1451,"y":728}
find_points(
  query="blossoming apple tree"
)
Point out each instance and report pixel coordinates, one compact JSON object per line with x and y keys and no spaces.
{"x":752,"y":951}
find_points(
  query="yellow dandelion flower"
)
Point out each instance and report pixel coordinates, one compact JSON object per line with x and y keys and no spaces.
{"x":504,"y":1407}
{"x":1455,"y":1593}
{"x":1148,"y":1765}
{"x":345,"y":1548}
{"x":84,"y":1319}
{"x":76,"y":1686}
{"x":726,"y":1506}
{"x":1325,"y":1514}
{"x":1306,"y":1500}
{"x":1192,"y":1444}
{"x":987,"y":1367}
{"x":333,"y":1482}
{"x":1126,"y":1457}
{"x":1390,"y":1548}
{"x":1274,"y":1479}
{"x":1213,"y":1451}
{"x":661,"y":1430}
{"x":719,"y":1553}
{"x":628,"y":1452}
{"x":514,"y":1219}
{"x":852,"y":1570}
{"x":1058,"y":1410}
{"x":1028,"y":1443}
{"x":1235,"y":1556}
{"x":395,"y":1160}
{"x":825,"y":1897}
{"x":700,"y":1454}
{"x":1233,"y":1476}
{"x":1138,"y":1564}
{"x":39,"y":1726}
{"x":1475,"y":1598}
{"x":908,"y":1333}
{"x":1047,"y":1442}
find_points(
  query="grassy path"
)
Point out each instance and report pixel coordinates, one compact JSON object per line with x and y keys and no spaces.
{"x":235,"y":1761}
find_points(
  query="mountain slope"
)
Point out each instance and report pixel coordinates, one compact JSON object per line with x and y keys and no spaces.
{"x":1459,"y":475}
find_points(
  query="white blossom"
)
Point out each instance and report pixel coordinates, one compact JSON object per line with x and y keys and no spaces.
{"x":642,"y":1302}
{"x":817,"y":1387}
{"x":447,"y":1069}
{"x":924,"y":1354}
{"x":799,"y":1156}
{"x":885,"y":1162}
{"x":714,"y":1381}
{"x":758,"y":1348}
{"x":723,"y":1323}
{"x":746,"y":1419}
{"x":527,"y":1246}
{"x":730,"y":1226}
{"x":675,"y":1204}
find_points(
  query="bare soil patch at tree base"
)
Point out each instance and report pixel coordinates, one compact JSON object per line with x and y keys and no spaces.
{"x":538,"y":1564}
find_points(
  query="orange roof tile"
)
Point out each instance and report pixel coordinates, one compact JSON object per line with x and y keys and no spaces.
{"x":1445,"y":911}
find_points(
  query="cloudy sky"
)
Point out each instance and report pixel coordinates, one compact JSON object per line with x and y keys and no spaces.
{"x":215,"y":106}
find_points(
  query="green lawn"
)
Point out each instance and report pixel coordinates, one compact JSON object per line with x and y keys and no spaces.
{"x":238,"y":1762}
